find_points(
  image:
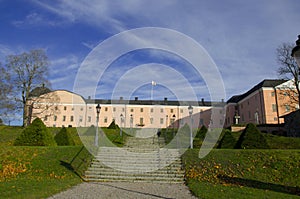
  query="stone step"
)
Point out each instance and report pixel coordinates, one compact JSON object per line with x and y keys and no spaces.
{"x":131,"y":178}
{"x":140,"y":160}
{"x":107,"y":173}
{"x":110,"y":170}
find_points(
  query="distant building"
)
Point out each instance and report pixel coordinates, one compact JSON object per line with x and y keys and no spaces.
{"x":63,"y":108}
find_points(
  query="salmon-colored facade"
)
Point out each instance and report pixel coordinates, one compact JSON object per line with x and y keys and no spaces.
{"x":265,"y":103}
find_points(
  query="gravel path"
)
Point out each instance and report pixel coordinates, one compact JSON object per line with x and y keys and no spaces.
{"x":123,"y":190}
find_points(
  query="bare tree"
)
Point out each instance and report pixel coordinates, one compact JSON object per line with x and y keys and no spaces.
{"x":27,"y":71}
{"x":6,"y":103}
{"x":289,"y":70}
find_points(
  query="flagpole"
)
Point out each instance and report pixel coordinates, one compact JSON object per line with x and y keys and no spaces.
{"x":153,"y":83}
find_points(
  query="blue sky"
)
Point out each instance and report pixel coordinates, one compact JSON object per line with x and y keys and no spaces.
{"x":241,"y":38}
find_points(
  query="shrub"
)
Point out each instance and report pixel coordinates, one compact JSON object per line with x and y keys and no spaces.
{"x":227,"y":141}
{"x":113,"y":125}
{"x":36,"y":134}
{"x":202,"y":132}
{"x":251,"y":138}
{"x":64,"y":138}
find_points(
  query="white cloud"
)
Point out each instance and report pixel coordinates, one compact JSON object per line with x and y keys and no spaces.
{"x":238,"y":35}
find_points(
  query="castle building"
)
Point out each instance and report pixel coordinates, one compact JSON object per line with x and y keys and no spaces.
{"x":265,"y":103}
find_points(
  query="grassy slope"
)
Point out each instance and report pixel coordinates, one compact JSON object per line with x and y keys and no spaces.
{"x":244,"y":173}
{"x":39,"y":172}
{"x":35,"y":172}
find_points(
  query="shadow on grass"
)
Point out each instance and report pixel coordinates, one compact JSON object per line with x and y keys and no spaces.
{"x":260,"y":185}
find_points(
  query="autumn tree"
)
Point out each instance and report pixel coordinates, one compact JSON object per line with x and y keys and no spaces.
{"x":26,"y":71}
{"x":289,"y":70}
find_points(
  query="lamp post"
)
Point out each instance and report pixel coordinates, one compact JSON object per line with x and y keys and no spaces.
{"x":98,"y":108}
{"x":131,"y":123}
{"x":190,"y":108}
{"x":296,"y":51}
{"x":122,"y":118}
{"x":173,"y":119}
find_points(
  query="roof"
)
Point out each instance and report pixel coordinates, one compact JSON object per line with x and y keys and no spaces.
{"x":38,"y":91}
{"x":149,"y":102}
{"x":271,"y":83}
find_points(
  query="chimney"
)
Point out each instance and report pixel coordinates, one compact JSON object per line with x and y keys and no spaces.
{"x":166,"y":99}
{"x":136,"y":99}
{"x":202,"y":101}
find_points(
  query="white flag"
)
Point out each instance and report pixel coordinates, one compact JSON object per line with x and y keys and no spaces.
{"x":153,"y":83}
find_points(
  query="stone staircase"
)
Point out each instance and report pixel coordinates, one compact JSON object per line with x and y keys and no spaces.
{"x":140,"y":160}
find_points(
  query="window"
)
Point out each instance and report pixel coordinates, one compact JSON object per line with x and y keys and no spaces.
{"x":105,"y":120}
{"x":89,"y":118}
{"x":56,"y":108}
{"x":123,"y":109}
{"x":55,"y":118}
{"x":161,"y":120}
{"x":114,"y":109}
{"x":90,"y":107}
{"x":131,"y":110}
{"x":287,"y":108}
{"x":275,"y":118}
{"x":181,"y":110}
{"x":151,"y":120}
{"x":45,"y":119}
{"x":81,"y":109}
{"x":72,"y":118}
{"x":172,"y":110}
{"x":80,"y":118}
{"x":151,"y":110}
{"x":274,"y":108}
{"x":141,"y":121}
{"x":64,"y":118}
{"x":273,"y":94}
{"x":65,"y":108}
{"x":161,"y":110}
{"x":106,"y":109}
{"x":201,"y":121}
{"x":142,"y":110}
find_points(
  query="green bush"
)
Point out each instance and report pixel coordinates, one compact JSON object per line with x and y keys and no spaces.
{"x":113,"y":125}
{"x":36,"y":134}
{"x":201,"y":132}
{"x":64,"y":138}
{"x":227,"y":141}
{"x":251,"y":138}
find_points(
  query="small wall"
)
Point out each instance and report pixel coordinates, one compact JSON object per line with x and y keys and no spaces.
{"x":237,"y":128}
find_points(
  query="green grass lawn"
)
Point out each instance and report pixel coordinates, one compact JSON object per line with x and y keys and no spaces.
{"x":36,"y":172}
{"x":244,"y":173}
{"x":39,"y":172}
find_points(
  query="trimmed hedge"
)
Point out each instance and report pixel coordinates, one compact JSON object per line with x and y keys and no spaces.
{"x":227,"y":141}
{"x":113,"y":125}
{"x":202,"y":132}
{"x":251,"y":138}
{"x":64,"y":138}
{"x":36,"y":134}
